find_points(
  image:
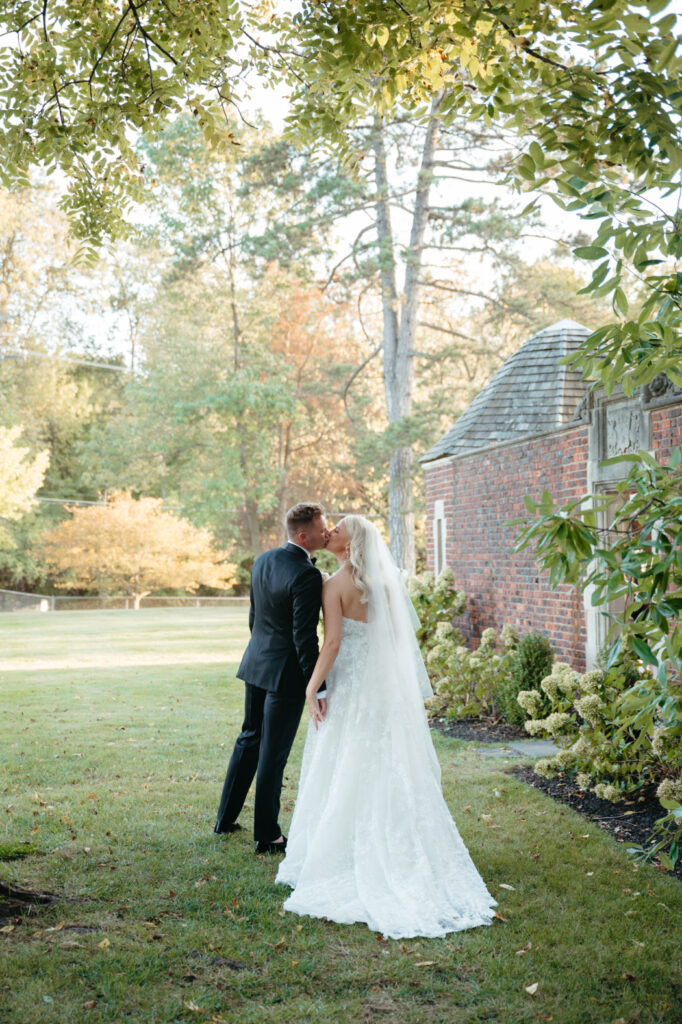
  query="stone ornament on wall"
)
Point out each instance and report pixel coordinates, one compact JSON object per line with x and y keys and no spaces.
{"x":619,"y":425}
{"x":661,"y":391}
{"x":622,"y":429}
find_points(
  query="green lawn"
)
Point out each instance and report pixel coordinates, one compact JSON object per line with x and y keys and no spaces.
{"x":116,"y":729}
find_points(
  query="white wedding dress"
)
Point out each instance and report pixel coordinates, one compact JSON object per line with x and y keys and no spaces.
{"x":372,"y":839}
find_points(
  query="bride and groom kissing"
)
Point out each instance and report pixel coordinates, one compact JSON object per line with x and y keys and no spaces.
{"x":371,"y":839}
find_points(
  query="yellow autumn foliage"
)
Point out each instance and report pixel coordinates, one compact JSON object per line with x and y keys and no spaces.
{"x":132,"y":546}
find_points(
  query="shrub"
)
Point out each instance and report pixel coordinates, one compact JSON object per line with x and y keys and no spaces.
{"x":437,"y":602}
{"x":528,"y":662}
{"x":464,"y":681}
{"x":618,"y":730}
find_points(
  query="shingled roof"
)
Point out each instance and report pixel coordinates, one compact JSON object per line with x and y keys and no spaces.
{"x":530,"y":394}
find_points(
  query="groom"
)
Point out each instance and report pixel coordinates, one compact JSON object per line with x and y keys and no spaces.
{"x":286,"y":596}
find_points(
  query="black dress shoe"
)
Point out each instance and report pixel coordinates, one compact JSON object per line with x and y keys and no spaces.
{"x":234,"y":827}
{"x":272,"y":847}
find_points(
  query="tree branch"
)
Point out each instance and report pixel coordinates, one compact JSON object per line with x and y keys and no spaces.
{"x":355,"y":374}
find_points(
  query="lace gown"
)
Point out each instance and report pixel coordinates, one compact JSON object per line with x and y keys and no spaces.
{"x":371,"y":837}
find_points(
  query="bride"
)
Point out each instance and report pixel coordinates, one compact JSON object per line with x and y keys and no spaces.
{"x":371,"y":838}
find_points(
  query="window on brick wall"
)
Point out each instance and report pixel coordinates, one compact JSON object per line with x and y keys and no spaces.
{"x":439,"y":532}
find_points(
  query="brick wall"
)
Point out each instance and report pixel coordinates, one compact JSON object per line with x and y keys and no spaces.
{"x":666,"y":431}
{"x":480,"y":493}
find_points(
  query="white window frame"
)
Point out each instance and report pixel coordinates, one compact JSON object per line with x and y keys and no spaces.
{"x":439,"y":537}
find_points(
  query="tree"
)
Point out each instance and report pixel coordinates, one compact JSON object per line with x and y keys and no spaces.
{"x":82,"y":78}
{"x":235,"y":408}
{"x":134,"y":547}
{"x":20,"y":477}
{"x":593,"y":89}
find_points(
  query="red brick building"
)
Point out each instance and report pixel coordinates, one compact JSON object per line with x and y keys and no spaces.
{"x":535,"y":426}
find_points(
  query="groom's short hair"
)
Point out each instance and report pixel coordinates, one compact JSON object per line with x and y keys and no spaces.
{"x":300,"y":516}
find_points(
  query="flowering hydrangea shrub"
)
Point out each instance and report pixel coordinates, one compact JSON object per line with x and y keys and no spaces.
{"x":437,"y":602}
{"x":465,"y":681}
{"x":615,"y":734}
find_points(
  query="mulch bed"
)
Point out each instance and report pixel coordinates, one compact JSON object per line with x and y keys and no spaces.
{"x":479,"y":730}
{"x":631,"y":821}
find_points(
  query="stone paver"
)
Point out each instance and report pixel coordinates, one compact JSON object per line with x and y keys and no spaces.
{"x":519,"y":748}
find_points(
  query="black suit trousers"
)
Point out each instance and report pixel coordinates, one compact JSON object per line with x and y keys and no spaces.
{"x":262,"y":748}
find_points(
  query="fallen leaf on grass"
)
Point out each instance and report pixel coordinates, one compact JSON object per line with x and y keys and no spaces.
{"x":426,"y":963}
{"x":503,"y":885}
{"x":90,"y":1005}
{"x":500,"y":918}
{"x":7,"y":928}
{"x":532,"y":989}
{"x":193,"y":1007}
{"x":103,"y":944}
{"x":526,"y":949}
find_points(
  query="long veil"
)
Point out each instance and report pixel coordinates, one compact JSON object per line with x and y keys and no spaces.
{"x":394,"y":653}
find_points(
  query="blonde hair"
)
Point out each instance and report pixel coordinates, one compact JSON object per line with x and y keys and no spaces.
{"x":356,"y":528}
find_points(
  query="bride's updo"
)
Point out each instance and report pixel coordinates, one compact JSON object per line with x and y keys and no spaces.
{"x":356,"y":528}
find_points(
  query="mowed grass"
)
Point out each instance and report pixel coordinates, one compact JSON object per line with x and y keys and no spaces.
{"x":116,"y":729}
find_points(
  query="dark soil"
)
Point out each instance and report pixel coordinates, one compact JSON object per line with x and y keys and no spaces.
{"x":481,"y":730}
{"x":631,"y":821}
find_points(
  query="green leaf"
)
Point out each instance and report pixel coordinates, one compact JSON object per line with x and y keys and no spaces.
{"x":643,"y":650}
{"x":620,"y":302}
{"x":590,"y":252}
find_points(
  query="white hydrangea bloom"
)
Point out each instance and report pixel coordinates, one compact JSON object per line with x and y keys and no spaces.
{"x":607,"y":791}
{"x":530,"y":701}
{"x":568,"y":683}
{"x":589,"y":708}
{"x":555,"y":722}
{"x":488,"y":637}
{"x":669,"y":789}
{"x":581,"y":747}
{"x":509,"y":637}
{"x":550,"y":684}
{"x":591,"y":682}
{"x":535,"y":726}
{"x":444,"y":630}
{"x":544,"y":768}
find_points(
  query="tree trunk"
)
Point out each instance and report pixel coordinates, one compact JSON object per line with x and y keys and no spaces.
{"x":399,"y":329}
{"x":137,"y":598}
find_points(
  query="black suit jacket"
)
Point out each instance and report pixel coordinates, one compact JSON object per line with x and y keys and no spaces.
{"x":286,"y":597}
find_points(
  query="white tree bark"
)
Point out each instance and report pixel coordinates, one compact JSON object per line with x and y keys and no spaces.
{"x":400,"y":327}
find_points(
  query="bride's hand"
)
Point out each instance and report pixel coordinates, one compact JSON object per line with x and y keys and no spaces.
{"x":317,"y":708}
